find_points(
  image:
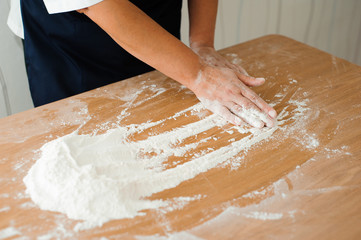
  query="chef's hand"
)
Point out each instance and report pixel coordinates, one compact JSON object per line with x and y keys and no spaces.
{"x":222,"y":89}
{"x":211,"y":57}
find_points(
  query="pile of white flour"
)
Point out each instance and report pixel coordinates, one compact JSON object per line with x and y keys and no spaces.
{"x":94,"y":178}
{"x":105,"y":177}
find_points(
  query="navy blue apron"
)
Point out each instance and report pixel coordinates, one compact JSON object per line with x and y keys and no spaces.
{"x":67,"y":53}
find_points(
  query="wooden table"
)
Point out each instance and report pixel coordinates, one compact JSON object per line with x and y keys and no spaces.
{"x":302,"y":183}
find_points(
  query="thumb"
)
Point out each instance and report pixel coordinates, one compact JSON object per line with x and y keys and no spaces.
{"x":250,"y":81}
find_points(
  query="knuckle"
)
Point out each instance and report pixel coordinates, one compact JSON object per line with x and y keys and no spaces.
{"x":248,"y":105}
{"x":252,"y":97}
{"x":245,"y":91}
{"x":237,"y":108}
{"x":229,"y":91}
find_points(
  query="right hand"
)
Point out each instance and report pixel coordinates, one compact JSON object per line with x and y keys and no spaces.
{"x":224,"y":92}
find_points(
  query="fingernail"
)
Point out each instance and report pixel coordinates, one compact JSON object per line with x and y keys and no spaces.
{"x":270,"y":124}
{"x":258,"y":124}
{"x":261,"y":79}
{"x":272,"y":113}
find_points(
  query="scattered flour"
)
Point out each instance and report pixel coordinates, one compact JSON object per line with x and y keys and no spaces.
{"x":26,"y":205}
{"x":59,"y":231}
{"x":263,"y":215}
{"x":104,"y":177}
{"x":234,"y":58}
{"x":4,"y":195}
{"x":174,"y":236}
{"x":291,"y":81}
{"x":9,"y":232}
{"x":255,"y":193}
{"x":179,"y":203}
{"x":97,"y":178}
{"x":5,"y":209}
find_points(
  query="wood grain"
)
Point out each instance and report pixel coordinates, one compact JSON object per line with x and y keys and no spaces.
{"x":281,"y":189}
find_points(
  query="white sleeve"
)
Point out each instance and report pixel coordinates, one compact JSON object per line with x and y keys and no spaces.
{"x":14,"y":21}
{"x":59,"y":6}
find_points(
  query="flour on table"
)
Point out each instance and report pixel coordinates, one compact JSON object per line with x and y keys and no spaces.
{"x":174,"y":236}
{"x":9,"y":232}
{"x":5,"y":209}
{"x":97,"y":178}
{"x":263,"y":215}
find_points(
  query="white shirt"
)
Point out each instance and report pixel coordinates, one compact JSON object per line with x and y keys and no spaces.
{"x":15,"y":22}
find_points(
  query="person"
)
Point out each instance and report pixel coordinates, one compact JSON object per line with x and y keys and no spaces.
{"x":72,"y":46}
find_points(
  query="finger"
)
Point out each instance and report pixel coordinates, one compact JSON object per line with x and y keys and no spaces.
{"x":247,"y":115}
{"x":250,"y":81}
{"x":236,"y":68}
{"x":241,"y":70}
{"x":259,"y":102}
{"x":228,"y":116}
{"x":249,"y":112}
{"x":243,"y":75}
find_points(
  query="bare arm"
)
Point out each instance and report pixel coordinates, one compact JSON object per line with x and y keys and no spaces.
{"x":202,"y":22}
{"x":219,"y":89}
{"x":138,"y":34}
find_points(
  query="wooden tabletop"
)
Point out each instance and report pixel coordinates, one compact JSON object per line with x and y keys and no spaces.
{"x":303,"y":182}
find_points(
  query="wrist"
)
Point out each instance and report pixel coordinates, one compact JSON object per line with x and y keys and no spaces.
{"x":193,"y":82}
{"x":196,"y":45}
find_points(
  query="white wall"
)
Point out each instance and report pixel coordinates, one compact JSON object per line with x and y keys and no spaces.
{"x":330,"y":25}
{"x":15,"y":91}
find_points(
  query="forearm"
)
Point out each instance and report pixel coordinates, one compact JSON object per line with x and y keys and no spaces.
{"x":202,"y":22}
{"x":137,"y":33}
{"x":221,"y":88}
